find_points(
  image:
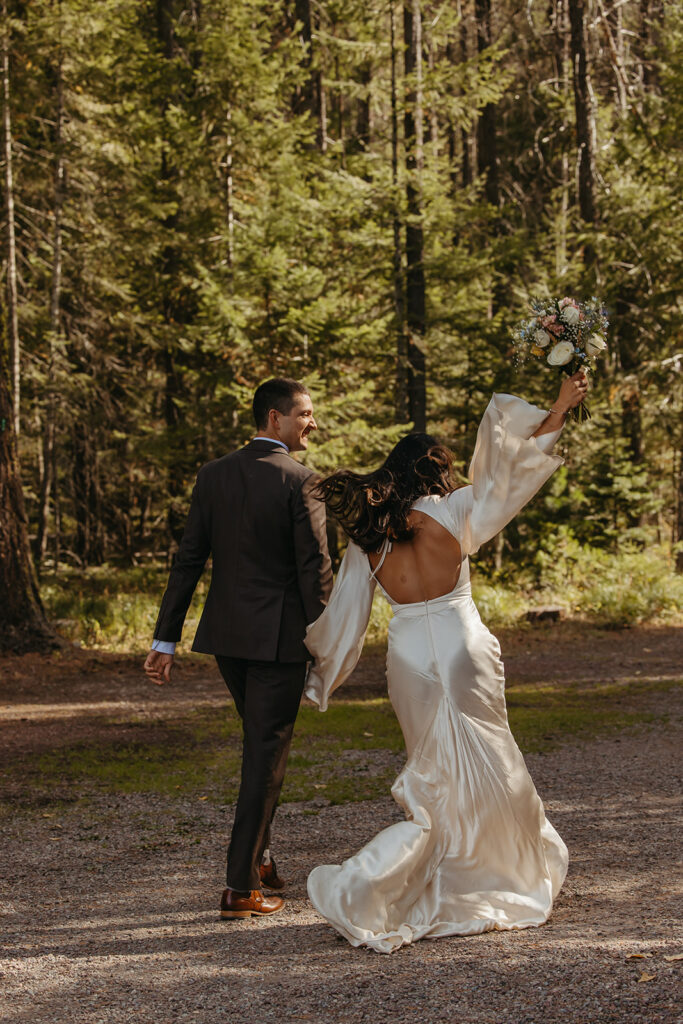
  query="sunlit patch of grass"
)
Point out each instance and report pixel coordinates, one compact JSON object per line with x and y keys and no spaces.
{"x":352,"y":752}
{"x":115,"y":609}
{"x":112,"y":609}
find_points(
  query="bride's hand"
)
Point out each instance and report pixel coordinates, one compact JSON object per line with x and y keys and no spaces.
{"x":572,"y":392}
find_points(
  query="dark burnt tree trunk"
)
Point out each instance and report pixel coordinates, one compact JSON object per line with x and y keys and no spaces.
{"x":401,"y":399}
{"x":87,"y":496}
{"x":628,"y":344}
{"x":23,"y":626}
{"x":584,"y":121}
{"x":487,"y":151}
{"x":311,"y":95}
{"x":646,"y":42}
{"x":364,"y":109}
{"x":178,"y":304}
{"x":468,"y":139}
{"x":415,"y":276}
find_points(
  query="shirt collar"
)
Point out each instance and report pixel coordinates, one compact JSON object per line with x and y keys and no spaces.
{"x":272,"y":440}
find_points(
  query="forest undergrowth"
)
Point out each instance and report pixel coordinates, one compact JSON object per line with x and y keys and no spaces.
{"x":113,"y":609}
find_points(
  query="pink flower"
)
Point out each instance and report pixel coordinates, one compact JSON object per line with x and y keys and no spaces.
{"x":556,"y":329}
{"x":570,"y":311}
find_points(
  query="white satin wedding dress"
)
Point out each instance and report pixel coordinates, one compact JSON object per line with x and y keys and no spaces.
{"x":476,"y":851}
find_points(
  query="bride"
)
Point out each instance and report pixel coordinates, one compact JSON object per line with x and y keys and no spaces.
{"x":476,"y":851}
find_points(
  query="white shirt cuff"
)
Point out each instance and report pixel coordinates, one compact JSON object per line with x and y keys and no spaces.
{"x":164,"y":646}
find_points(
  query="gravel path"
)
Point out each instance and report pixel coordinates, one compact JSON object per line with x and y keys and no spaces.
{"x":109,"y":913}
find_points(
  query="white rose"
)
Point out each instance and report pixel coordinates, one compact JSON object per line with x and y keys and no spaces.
{"x":541,"y":338}
{"x":561,"y":353}
{"x":570,"y":315}
{"x":595,"y":345}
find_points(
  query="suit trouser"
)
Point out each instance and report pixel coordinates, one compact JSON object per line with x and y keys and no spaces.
{"x":267,"y":695}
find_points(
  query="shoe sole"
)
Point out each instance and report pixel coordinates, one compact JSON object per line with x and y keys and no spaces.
{"x":231,"y":914}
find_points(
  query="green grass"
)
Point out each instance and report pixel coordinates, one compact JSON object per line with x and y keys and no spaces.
{"x":114,"y":609}
{"x":352,"y":752}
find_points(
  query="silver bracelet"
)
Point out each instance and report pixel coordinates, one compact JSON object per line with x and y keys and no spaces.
{"x":557,"y":412}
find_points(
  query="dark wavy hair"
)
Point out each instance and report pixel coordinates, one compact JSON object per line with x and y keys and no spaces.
{"x":373,"y":506}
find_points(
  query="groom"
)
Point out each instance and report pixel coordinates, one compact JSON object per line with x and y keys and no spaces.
{"x":255,"y":513}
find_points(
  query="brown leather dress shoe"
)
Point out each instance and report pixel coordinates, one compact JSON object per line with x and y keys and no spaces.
{"x":270,"y":877}
{"x":255,"y":904}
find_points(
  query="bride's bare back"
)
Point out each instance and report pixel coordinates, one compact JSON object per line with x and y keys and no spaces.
{"x":421,"y":569}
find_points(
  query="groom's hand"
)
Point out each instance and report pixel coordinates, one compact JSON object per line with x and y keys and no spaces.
{"x":158,"y":667}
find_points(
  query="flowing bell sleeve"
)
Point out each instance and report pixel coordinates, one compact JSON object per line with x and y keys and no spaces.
{"x":335,"y":640}
{"x":508,"y":467}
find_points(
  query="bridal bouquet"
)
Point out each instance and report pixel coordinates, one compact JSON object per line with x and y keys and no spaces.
{"x":566,"y":334}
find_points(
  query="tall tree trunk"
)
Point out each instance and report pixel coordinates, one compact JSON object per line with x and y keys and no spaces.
{"x":415,"y":278}
{"x":628,"y":346}
{"x":87,"y":495}
{"x":646,"y":42}
{"x":23,"y":626}
{"x":229,"y":189}
{"x":468,"y":139}
{"x":321,"y":94}
{"x":364,"y":109}
{"x":584,"y":118}
{"x":487,"y":153}
{"x":562,"y":57}
{"x":12,"y":289}
{"x":49,"y":426}
{"x":311,"y":96}
{"x":401,"y":400}
{"x":432,"y":115}
{"x":173,"y":295}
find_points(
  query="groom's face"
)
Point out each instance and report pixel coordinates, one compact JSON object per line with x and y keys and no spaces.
{"x":295,"y":427}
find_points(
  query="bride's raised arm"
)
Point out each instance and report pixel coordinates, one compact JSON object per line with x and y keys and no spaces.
{"x":335,"y":639}
{"x":511,"y":462}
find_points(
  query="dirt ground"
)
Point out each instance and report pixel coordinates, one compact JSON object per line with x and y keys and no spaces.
{"x":64,"y":697}
{"x":108,"y":906}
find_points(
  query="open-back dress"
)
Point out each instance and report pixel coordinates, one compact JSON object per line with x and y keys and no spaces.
{"x":476,"y":851}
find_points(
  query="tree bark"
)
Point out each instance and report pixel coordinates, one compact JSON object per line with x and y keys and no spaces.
{"x":87,"y":497}
{"x":23,"y":626}
{"x":468,"y":139}
{"x":49,"y":426}
{"x":363,"y":109}
{"x":401,"y":400}
{"x":562,"y":57}
{"x":584,"y":117}
{"x":311,"y":97}
{"x":12,"y":288}
{"x":176,"y":300}
{"x":229,"y":189}
{"x":487,"y":153}
{"x":646,"y":43}
{"x":415,"y":278}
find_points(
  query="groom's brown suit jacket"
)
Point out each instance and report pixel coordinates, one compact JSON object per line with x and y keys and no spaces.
{"x":254,"y":512}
